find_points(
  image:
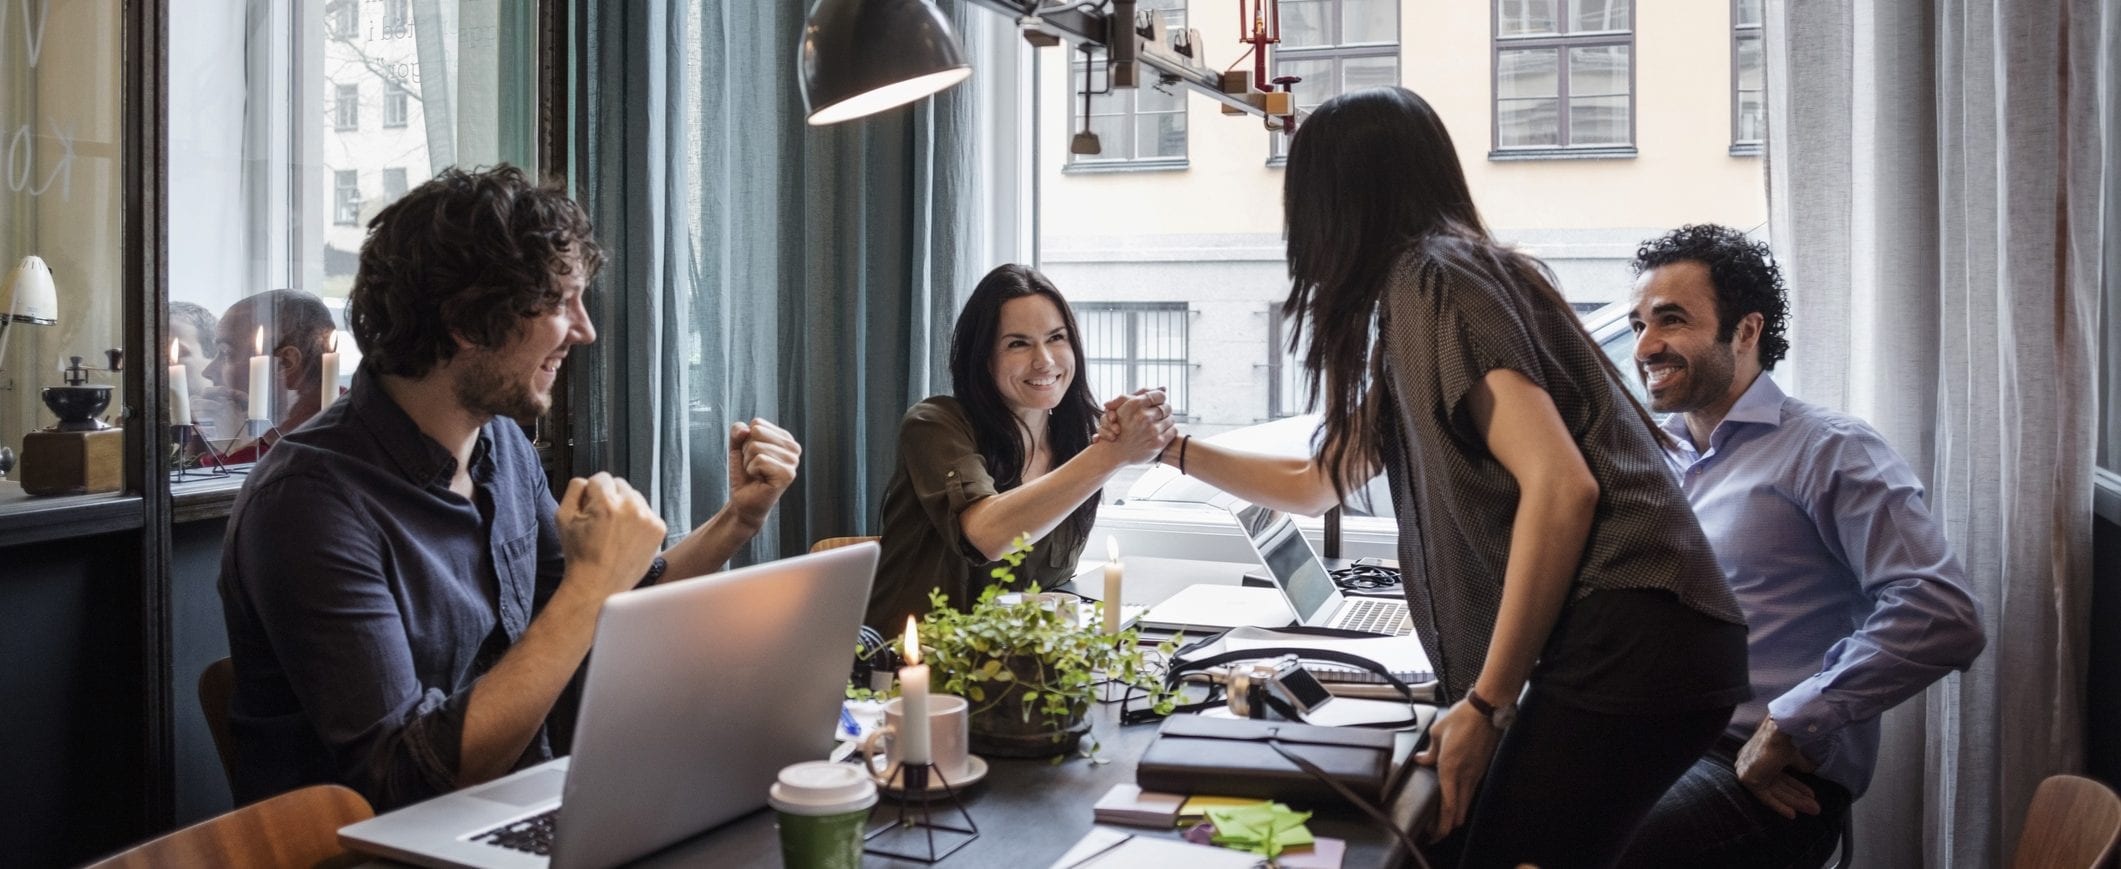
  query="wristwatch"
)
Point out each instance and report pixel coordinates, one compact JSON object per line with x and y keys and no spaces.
{"x":1498,"y":717}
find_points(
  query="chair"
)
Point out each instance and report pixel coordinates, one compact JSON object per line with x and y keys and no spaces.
{"x":2072,"y":824}
{"x":1848,"y":838}
{"x":297,"y":828}
{"x":216,"y":685}
{"x":837,"y":542}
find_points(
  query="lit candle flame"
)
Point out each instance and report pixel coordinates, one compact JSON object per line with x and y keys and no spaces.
{"x":173,"y":356}
{"x":260,"y":341}
{"x":913,"y":642}
{"x":1111,"y":548}
{"x":334,"y":340}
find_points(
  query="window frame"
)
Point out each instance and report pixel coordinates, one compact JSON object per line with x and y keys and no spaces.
{"x":1134,"y":359}
{"x":1335,"y":55}
{"x":345,"y":209}
{"x":1130,"y":115}
{"x":1561,"y":42}
{"x":397,"y":106}
{"x":346,"y":107}
{"x":1740,"y":33}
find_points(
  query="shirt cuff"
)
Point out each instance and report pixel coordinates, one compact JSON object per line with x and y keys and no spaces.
{"x":1812,"y":721}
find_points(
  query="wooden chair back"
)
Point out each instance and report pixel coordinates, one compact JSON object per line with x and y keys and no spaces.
{"x":837,"y":542}
{"x":299,"y":828}
{"x":217,"y":683}
{"x":2072,"y":824}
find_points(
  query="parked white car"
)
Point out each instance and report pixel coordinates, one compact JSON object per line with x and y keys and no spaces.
{"x":1294,"y":436}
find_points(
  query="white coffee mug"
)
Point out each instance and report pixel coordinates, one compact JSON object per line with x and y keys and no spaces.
{"x":949,"y":739}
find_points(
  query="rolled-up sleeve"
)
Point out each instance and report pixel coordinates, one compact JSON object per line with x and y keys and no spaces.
{"x":1922,"y":624}
{"x":945,"y":471}
{"x":316,"y":572}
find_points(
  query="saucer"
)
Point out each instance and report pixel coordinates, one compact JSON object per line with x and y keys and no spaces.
{"x":976,"y":769}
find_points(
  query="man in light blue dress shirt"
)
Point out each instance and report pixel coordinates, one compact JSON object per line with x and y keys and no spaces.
{"x":1853,"y":599}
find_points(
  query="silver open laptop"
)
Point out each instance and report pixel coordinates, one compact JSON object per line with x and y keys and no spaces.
{"x":1299,"y":574}
{"x":698,"y":692}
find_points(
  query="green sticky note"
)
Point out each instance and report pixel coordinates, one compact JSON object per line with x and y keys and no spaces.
{"x":1264,"y":829}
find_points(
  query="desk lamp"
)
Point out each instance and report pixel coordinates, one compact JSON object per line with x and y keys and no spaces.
{"x":860,"y":57}
{"x":27,"y":297}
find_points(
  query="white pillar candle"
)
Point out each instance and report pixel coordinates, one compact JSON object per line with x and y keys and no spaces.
{"x":1112,"y":585}
{"x":330,"y":368}
{"x":179,"y":388}
{"x":913,"y":700}
{"x":261,"y":381}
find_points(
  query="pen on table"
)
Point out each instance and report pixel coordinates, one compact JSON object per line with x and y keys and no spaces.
{"x":847,"y":722}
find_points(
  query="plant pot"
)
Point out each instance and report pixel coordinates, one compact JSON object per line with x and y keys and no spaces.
{"x":998,"y":728}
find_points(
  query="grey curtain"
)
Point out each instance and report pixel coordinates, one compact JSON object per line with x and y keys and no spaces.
{"x":1936,"y":172}
{"x":761,"y":267}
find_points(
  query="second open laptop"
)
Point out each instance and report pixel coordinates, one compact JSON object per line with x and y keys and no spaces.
{"x":1312,"y":593}
{"x":698,"y":692}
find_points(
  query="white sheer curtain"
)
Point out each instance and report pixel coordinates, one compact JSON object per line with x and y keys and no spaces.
{"x":1935,"y":173}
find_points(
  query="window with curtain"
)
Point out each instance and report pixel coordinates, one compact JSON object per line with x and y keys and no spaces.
{"x":1564,"y":77}
{"x":1335,"y":46}
{"x":1135,"y":345}
{"x":1748,"y":79}
{"x":1142,"y":127}
{"x":275,"y":177}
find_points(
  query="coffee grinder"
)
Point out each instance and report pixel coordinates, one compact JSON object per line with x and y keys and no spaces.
{"x":80,"y":454}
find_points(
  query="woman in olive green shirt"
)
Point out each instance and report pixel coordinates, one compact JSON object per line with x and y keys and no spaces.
{"x":1012,"y":450}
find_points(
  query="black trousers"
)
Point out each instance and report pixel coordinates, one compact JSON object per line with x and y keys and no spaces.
{"x":1708,"y":819}
{"x":1568,"y":786}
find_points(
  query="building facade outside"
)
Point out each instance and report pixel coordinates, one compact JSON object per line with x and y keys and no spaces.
{"x":1584,"y":127}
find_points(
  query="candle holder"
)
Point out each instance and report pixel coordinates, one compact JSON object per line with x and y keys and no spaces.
{"x":181,"y":437}
{"x":915,"y":819}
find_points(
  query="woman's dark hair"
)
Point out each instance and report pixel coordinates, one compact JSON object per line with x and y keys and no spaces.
{"x":1373,"y":176}
{"x":997,"y":430}
{"x":1744,"y":273}
{"x":471,"y":254}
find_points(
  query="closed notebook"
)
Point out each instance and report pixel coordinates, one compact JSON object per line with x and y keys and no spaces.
{"x":1130,"y":805}
{"x":1104,"y":848}
{"x":1238,"y":757}
{"x":1402,"y":656}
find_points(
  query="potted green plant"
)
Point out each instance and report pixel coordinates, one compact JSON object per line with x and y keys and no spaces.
{"x":1029,"y":671}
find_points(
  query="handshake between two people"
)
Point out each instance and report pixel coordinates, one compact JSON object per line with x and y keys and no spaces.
{"x":1139,"y":424}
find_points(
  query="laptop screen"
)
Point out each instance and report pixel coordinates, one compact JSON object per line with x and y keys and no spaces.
{"x":1290,"y":558}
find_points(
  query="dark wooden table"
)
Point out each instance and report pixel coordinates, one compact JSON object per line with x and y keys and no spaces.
{"x":1030,"y":812}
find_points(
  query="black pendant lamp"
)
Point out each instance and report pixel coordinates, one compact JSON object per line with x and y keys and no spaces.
{"x":860,"y":57}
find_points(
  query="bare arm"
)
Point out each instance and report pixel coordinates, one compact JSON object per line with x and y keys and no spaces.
{"x":609,"y":534}
{"x":763,"y":459}
{"x":1557,"y":497}
{"x":1286,"y":483}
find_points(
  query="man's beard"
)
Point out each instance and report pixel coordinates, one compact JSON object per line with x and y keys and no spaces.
{"x":1708,"y":377}
{"x":487,"y":388}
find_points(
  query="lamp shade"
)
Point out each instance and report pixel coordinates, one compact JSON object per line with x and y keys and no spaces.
{"x":29,"y":296}
{"x":860,"y":57}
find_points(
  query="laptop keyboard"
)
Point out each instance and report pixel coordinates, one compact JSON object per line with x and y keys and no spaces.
{"x":531,"y":835}
{"x":1373,"y":616}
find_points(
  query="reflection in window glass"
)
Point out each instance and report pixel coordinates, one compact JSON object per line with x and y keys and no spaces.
{"x":1588,"y":16}
{"x":1526,"y":17}
{"x":61,"y":201}
{"x":277,"y":172}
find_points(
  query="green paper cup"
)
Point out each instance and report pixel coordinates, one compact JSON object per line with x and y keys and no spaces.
{"x":821,"y":808}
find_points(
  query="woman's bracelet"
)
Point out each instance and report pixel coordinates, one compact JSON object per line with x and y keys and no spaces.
{"x":1183,"y":441}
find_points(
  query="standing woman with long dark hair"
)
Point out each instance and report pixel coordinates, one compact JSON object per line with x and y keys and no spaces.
{"x":1009,"y":452}
{"x":1547,"y":551}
